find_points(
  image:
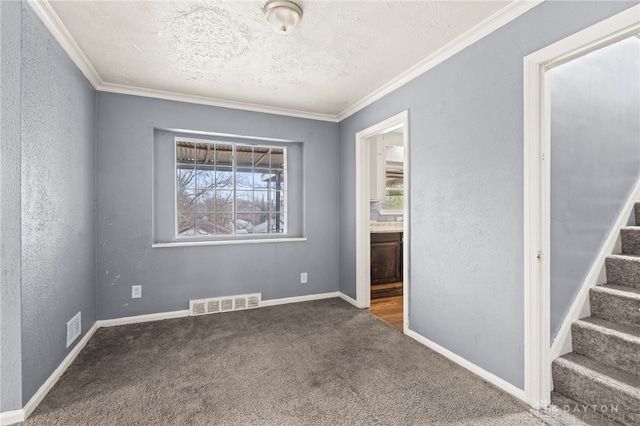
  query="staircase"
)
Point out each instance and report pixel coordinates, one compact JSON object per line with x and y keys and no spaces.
{"x":599,"y":382}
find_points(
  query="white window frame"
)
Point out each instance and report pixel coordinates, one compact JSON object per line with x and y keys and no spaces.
{"x":235,"y":236}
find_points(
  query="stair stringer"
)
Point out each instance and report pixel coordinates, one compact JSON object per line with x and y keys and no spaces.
{"x":580,"y":307}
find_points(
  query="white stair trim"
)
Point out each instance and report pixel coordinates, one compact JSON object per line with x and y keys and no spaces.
{"x":580,"y":307}
{"x":537,"y":216}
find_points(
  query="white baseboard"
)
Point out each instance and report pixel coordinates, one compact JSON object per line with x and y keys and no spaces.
{"x":181,"y":314}
{"x":348,"y":299}
{"x":16,"y":416}
{"x":143,"y":318}
{"x":58,"y":372}
{"x":489,"y":377}
{"x":580,"y":307}
{"x":11,"y":417}
{"x":296,"y":299}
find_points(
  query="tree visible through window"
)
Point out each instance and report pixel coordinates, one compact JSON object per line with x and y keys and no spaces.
{"x":227,"y":189}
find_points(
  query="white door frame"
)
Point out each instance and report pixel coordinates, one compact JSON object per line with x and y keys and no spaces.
{"x":363,"y":241}
{"x":537,"y":184}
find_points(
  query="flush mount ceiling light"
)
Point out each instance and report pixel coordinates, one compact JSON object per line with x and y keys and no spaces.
{"x":283,"y":15}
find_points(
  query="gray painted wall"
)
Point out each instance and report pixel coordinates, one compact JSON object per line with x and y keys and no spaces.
{"x":466,"y":158}
{"x":170,"y":277}
{"x":57,"y":119}
{"x":595,"y":160}
{"x":466,"y":194}
{"x":10,"y":347}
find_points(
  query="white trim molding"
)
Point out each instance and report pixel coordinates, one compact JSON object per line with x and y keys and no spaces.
{"x":489,"y":377}
{"x":16,"y":416}
{"x":581,"y":307}
{"x":62,"y":35}
{"x":67,"y":42}
{"x":204,"y":100}
{"x":537,"y":180}
{"x":348,"y":299}
{"x":228,"y":242}
{"x":406,"y":220}
{"x":466,"y":39}
{"x":142,"y":318}
{"x":185,"y":313}
{"x":57,"y":373}
{"x":55,"y":26}
{"x":298,"y":299}
{"x":11,"y":417}
{"x":363,"y":216}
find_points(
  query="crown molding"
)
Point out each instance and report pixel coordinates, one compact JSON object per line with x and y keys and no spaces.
{"x":55,"y":26}
{"x":205,"y":100}
{"x":469,"y":37}
{"x":63,"y":37}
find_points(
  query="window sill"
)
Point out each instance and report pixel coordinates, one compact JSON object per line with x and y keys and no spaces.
{"x":227,"y":242}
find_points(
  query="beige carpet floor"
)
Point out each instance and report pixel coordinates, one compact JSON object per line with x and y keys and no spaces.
{"x":315,"y":363}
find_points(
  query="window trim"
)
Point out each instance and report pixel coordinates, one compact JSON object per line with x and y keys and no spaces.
{"x":229,"y":238}
{"x":206,"y":242}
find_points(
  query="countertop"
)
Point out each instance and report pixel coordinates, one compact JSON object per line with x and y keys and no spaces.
{"x":381,"y":227}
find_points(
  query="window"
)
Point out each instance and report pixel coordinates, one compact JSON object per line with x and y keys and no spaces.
{"x":394,"y":190}
{"x":218,"y":188}
{"x":229,"y":189}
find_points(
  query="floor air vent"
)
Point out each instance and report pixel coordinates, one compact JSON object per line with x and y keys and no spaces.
{"x":216,"y":305}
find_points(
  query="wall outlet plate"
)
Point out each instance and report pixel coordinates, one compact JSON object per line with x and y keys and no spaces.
{"x":303,"y":278}
{"x":136,"y":291}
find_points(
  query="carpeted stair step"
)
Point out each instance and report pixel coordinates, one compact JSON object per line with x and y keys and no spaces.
{"x":591,"y":383}
{"x":616,"y":303}
{"x":630,"y":236}
{"x":611,"y":344}
{"x":566,"y":411}
{"x":623,"y":270}
{"x":636,"y":211}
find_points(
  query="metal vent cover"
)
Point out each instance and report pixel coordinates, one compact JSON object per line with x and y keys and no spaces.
{"x":216,"y":305}
{"x":253,"y":302}
{"x":197,"y":307}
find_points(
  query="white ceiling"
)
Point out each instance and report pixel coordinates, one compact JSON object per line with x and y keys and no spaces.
{"x":224,"y":50}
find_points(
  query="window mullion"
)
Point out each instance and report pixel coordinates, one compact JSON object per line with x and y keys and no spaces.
{"x":235,"y":187}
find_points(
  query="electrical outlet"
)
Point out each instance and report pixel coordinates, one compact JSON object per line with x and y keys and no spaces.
{"x":303,"y":278}
{"x":136,"y":291}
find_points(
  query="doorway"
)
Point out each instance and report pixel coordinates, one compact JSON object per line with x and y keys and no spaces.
{"x":382,"y":210}
{"x":537,"y":176}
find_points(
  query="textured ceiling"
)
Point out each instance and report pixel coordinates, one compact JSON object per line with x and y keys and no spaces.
{"x":341,"y":52}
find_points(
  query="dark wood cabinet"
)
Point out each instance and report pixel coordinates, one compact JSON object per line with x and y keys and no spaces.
{"x":386,"y":263}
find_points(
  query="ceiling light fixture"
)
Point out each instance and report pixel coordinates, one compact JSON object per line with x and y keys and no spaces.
{"x":283,"y":15}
